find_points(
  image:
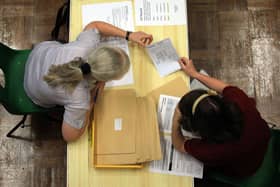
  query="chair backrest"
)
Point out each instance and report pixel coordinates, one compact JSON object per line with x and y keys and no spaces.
{"x":12,"y":95}
{"x":268,"y":175}
{"x":62,"y":18}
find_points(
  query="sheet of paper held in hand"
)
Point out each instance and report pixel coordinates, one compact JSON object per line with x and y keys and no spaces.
{"x":164,"y":57}
{"x":173,"y":162}
{"x":160,"y":12}
{"x":118,"y":14}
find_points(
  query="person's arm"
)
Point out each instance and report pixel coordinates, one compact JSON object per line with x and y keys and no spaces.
{"x":188,"y":67}
{"x":178,"y":139}
{"x":71,"y":134}
{"x":107,"y":29}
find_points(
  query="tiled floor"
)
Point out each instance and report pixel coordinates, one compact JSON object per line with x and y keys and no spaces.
{"x":237,"y":41}
{"x":42,"y":161}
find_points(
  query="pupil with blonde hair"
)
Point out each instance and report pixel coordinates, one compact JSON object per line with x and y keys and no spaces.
{"x":67,"y":74}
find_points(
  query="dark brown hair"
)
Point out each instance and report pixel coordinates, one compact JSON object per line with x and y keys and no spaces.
{"x":214,"y":119}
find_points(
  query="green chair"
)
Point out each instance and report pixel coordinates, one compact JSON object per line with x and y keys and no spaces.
{"x":12,"y":95}
{"x":268,"y":175}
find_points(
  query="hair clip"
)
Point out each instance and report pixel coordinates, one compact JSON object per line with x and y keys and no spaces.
{"x":85,"y":68}
{"x":196,"y":102}
{"x":211,"y":92}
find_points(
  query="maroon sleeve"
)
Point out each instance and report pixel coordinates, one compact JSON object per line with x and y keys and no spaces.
{"x":236,"y":95}
{"x":210,"y":154}
{"x":218,"y":154}
{"x":253,"y":141}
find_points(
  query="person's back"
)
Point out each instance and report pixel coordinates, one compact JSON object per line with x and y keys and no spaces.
{"x":240,"y":156}
{"x":70,"y":74}
{"x":234,"y":137}
{"x":49,"y":53}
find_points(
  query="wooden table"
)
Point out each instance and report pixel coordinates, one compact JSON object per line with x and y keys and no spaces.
{"x":80,"y":171}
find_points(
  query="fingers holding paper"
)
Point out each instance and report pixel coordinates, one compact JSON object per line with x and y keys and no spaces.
{"x":187,"y":66}
{"x":142,"y":38}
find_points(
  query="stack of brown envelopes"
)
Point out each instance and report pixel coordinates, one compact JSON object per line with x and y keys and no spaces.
{"x":126,"y":129}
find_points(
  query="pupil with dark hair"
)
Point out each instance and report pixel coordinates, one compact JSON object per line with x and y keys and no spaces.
{"x":233,"y":136}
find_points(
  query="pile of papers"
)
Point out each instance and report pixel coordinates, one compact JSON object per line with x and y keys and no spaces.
{"x":126,"y":130}
{"x":146,"y":13}
{"x":173,"y":162}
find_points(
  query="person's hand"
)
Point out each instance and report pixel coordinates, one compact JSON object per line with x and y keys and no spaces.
{"x":176,"y":117}
{"x":142,"y":38}
{"x":187,"y":66}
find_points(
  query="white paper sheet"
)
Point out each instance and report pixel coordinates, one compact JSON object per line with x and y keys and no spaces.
{"x":160,"y":12}
{"x":196,"y":84}
{"x":164,"y":57}
{"x":127,"y":79}
{"x":118,"y":14}
{"x":166,"y":108}
{"x":173,"y":162}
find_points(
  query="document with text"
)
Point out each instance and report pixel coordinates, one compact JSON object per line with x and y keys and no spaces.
{"x":118,"y":14}
{"x":173,"y":162}
{"x":166,"y":108}
{"x":127,"y":79}
{"x":160,"y":12}
{"x":164,"y":57}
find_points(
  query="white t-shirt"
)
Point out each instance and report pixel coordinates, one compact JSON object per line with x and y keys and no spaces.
{"x":51,"y":52}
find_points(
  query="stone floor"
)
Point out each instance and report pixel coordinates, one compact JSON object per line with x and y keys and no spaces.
{"x":39,"y":158}
{"x":237,"y":41}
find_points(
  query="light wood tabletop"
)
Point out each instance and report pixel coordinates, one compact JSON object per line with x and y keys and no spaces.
{"x":80,"y":170}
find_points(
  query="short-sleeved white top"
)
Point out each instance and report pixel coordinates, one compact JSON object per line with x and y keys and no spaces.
{"x":51,"y":52}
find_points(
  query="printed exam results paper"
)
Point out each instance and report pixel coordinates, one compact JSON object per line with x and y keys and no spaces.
{"x":164,"y":57}
{"x":160,"y":12}
{"x":127,"y":79}
{"x":118,"y":14}
{"x":173,"y":162}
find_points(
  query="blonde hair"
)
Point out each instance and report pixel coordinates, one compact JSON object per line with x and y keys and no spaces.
{"x":106,"y":63}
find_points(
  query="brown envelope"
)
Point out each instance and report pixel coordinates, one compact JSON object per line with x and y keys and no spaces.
{"x":176,"y":87}
{"x":115,"y":118}
{"x":126,"y":126}
{"x":141,"y":117}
